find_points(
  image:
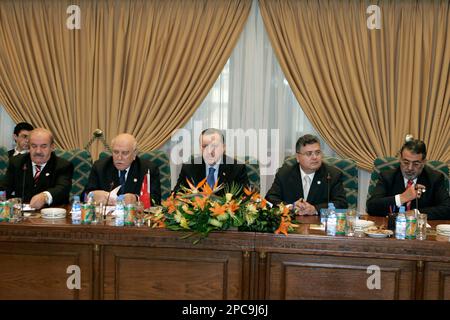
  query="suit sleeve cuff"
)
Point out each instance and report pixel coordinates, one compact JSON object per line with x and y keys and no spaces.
{"x":398,"y":203}
{"x":49,"y":197}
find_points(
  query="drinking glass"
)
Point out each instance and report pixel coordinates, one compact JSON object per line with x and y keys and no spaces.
{"x":140,"y":214}
{"x":16,"y":210}
{"x":421,"y":226}
{"x":350,"y":222}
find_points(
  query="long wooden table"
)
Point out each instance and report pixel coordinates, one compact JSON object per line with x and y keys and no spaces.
{"x":144,"y":263}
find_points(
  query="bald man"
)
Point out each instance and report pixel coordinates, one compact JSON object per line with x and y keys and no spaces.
{"x":123,"y":173}
{"x":44,"y":178}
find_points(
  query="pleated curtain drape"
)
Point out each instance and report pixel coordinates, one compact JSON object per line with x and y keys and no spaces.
{"x":137,"y":66}
{"x":365,"y":89}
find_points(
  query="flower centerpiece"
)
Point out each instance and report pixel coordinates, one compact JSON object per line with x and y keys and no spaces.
{"x":199,"y":210}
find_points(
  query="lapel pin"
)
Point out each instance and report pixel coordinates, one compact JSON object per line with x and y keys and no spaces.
{"x":135,"y":180}
{"x":318,"y":182}
{"x":47,"y":174}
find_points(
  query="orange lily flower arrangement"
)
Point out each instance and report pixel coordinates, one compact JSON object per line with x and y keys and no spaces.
{"x":198,"y":210}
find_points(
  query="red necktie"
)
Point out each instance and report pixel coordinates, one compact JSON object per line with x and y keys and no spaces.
{"x":408,"y":204}
{"x":37,"y":174}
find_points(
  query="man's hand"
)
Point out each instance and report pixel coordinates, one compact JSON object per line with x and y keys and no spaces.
{"x":100,"y":196}
{"x":411,"y":193}
{"x":304,"y":208}
{"x":38,"y":201}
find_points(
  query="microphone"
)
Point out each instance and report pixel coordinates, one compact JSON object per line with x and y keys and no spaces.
{"x":24,"y":171}
{"x":97,"y":133}
{"x":111,"y":187}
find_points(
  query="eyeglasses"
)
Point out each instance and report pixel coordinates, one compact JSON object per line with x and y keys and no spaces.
{"x":407,"y":163}
{"x":309,"y":154}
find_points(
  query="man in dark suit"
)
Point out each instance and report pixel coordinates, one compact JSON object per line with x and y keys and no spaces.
{"x":412,"y":180}
{"x":214,"y":165}
{"x":123,"y":173}
{"x":45,"y":178}
{"x":309,"y":184}
{"x":21,"y":135}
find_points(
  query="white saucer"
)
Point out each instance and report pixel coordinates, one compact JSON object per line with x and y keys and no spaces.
{"x":27,"y":207}
{"x":53,"y":213}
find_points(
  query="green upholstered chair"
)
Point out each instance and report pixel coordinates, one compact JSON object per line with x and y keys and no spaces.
{"x":161,"y":160}
{"x":387,"y":163}
{"x":252,"y":165}
{"x":3,"y":161}
{"x":82,"y":164}
{"x":349,"y":172}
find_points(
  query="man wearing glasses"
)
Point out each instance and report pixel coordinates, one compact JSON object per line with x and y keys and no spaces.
{"x":412,"y":184}
{"x":309,"y":184}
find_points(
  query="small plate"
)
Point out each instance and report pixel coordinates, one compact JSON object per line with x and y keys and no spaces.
{"x":383,"y":234}
{"x":27,"y":207}
{"x":53,"y":213}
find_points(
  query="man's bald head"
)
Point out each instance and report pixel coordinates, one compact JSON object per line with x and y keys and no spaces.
{"x":124,"y":149}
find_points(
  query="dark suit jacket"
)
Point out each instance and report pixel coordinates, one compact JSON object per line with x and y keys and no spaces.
{"x":435,"y":202}
{"x":104,"y":173}
{"x":288,"y":188}
{"x":10,"y":153}
{"x":229,"y":171}
{"x":56,"y":178}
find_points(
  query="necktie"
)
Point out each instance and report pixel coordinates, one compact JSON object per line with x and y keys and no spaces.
{"x":210,"y":178}
{"x":37,"y":174}
{"x":408,"y":205}
{"x":306,"y":185}
{"x":122,"y":181}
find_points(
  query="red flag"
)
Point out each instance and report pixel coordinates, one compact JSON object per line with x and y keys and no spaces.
{"x":145,"y":193}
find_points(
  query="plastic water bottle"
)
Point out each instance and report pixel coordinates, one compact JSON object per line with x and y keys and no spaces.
{"x":400,"y":224}
{"x":120,"y":212}
{"x":2,"y":196}
{"x":76,"y":210}
{"x":323,"y":218}
{"x":332,"y":220}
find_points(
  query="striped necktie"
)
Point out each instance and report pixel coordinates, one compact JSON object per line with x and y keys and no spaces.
{"x":37,"y":174}
{"x":408,"y":205}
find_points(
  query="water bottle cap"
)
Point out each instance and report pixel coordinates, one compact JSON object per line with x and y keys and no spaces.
{"x":331,"y":205}
{"x":402,"y":209}
{"x":121,"y":197}
{"x":76,"y":198}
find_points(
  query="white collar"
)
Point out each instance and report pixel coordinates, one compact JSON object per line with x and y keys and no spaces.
{"x":303,"y":174}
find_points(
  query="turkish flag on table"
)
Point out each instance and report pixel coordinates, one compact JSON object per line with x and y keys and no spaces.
{"x":145,"y":192}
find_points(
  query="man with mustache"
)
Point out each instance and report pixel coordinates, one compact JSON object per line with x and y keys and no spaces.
{"x":305,"y":184}
{"x":44,"y":178}
{"x":410,"y":181}
{"x":123,"y":173}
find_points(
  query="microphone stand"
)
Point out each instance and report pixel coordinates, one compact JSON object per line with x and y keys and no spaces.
{"x":24,"y":171}
{"x":111,"y":186}
{"x":328,"y":188}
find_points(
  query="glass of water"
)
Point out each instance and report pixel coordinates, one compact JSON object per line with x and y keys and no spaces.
{"x":421,"y":226}
{"x":350,"y":217}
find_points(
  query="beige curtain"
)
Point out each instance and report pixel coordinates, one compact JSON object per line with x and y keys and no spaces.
{"x":141,"y":67}
{"x":363,"y":89}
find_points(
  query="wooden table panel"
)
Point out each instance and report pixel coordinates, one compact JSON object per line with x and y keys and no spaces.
{"x":39,"y":271}
{"x":293,"y":276}
{"x":143,"y":273}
